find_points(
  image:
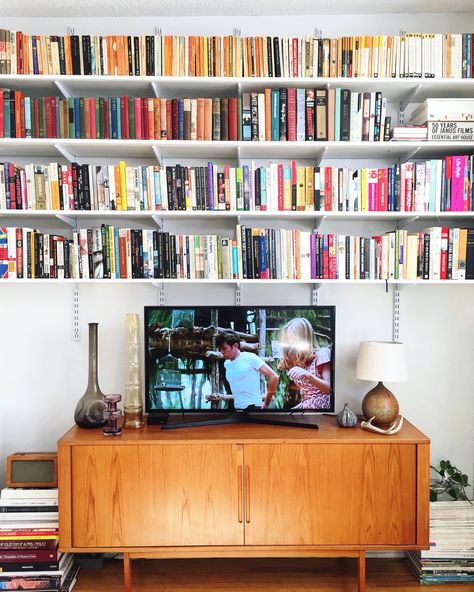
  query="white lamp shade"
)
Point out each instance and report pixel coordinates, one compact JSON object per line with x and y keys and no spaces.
{"x":381,"y":361}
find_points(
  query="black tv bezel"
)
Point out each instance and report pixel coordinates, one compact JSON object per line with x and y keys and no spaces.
{"x":219,"y":412}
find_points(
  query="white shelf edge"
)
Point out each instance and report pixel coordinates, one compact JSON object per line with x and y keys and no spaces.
{"x":395,"y":89}
{"x":227,"y":143}
{"x":226,"y":150}
{"x":235,"y":79}
{"x":286,"y":214}
{"x":153,"y":281}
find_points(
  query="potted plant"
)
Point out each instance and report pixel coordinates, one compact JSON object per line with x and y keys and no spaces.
{"x":450,"y":481}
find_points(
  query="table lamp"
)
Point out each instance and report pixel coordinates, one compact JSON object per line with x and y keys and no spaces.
{"x":381,"y":361}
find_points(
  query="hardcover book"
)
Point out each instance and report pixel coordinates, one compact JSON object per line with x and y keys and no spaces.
{"x":451,"y":131}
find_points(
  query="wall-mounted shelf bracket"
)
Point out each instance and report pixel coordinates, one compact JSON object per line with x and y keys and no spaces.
{"x":158,"y":155}
{"x":314,"y":294}
{"x":237,"y":32}
{"x":411,"y":154}
{"x":62,"y":89}
{"x":161,"y":292}
{"x":67,"y":155}
{"x":69,"y":220}
{"x":155,"y":88}
{"x":396,"y":314}
{"x":158,"y":31}
{"x":318,"y":222}
{"x":158,"y":220}
{"x":238,"y":294}
{"x":406,"y":222}
{"x":318,"y":33}
{"x":320,"y":155}
{"x":411,"y":96}
{"x":75,"y":313}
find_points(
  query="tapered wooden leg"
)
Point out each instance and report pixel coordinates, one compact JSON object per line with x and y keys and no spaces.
{"x":361,"y":571}
{"x":127,"y":573}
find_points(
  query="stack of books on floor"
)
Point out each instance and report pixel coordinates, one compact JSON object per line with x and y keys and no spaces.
{"x":451,"y":554}
{"x":29,"y":554}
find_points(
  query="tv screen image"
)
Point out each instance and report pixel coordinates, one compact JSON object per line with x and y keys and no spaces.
{"x":225,"y":358}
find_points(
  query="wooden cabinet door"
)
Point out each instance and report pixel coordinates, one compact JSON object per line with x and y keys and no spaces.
{"x":330,"y":494}
{"x":156,"y":495}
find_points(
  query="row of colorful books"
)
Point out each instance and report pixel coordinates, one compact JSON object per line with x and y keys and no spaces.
{"x":293,"y":114}
{"x":29,"y":553}
{"x":450,"y":557}
{"x":436,"y":185}
{"x":436,"y":253}
{"x":428,"y":55}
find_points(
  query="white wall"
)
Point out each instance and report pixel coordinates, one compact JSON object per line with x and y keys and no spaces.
{"x":354,"y":24}
{"x":44,"y":372}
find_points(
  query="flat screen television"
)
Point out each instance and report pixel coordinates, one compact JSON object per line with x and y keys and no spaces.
{"x":238,"y":363}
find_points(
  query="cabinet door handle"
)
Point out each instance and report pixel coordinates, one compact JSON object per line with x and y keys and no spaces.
{"x":247,"y":493}
{"x":240,"y":501}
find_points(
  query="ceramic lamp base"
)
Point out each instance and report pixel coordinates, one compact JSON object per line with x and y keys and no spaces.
{"x":382,"y":404}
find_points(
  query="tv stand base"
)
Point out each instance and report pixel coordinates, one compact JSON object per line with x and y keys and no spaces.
{"x":243,"y":417}
{"x":196,"y":552}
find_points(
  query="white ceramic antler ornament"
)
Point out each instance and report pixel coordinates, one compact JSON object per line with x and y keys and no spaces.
{"x":393,"y":429}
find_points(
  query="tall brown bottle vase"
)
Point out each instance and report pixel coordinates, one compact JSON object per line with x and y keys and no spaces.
{"x":132,"y":405}
{"x":91,"y":406}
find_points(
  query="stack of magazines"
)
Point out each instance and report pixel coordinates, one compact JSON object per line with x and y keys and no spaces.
{"x":451,"y":554}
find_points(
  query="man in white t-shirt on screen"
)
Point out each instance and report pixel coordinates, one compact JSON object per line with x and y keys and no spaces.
{"x":243,"y":370}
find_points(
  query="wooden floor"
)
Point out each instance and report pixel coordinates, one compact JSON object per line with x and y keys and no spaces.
{"x":257,"y":575}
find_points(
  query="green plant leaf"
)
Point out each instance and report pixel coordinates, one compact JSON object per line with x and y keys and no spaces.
{"x":452,"y":492}
{"x":452,"y":482}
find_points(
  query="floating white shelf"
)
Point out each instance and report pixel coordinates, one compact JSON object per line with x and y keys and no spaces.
{"x":153,"y":216}
{"x":178,"y":149}
{"x":395,"y":89}
{"x":159,"y":282}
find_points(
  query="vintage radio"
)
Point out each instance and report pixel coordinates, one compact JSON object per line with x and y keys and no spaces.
{"x":32,"y":469}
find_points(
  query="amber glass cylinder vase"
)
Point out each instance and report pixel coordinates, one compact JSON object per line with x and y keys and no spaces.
{"x":91,"y":406}
{"x":133,"y":404}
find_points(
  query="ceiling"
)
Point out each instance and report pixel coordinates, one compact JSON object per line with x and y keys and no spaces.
{"x":117,"y":8}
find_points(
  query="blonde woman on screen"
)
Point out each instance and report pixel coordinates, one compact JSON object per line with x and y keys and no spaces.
{"x":308,"y":367}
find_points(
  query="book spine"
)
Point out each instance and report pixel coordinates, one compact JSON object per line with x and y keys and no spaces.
{"x":35,"y":582}
{"x":30,"y":566}
{"x":345,"y":115}
{"x":28,"y":556}
{"x":17,"y":544}
{"x":254,"y":116}
{"x":283,"y":117}
{"x":28,"y":508}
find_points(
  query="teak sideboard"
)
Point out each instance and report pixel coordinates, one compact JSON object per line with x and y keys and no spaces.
{"x":243,"y":491}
